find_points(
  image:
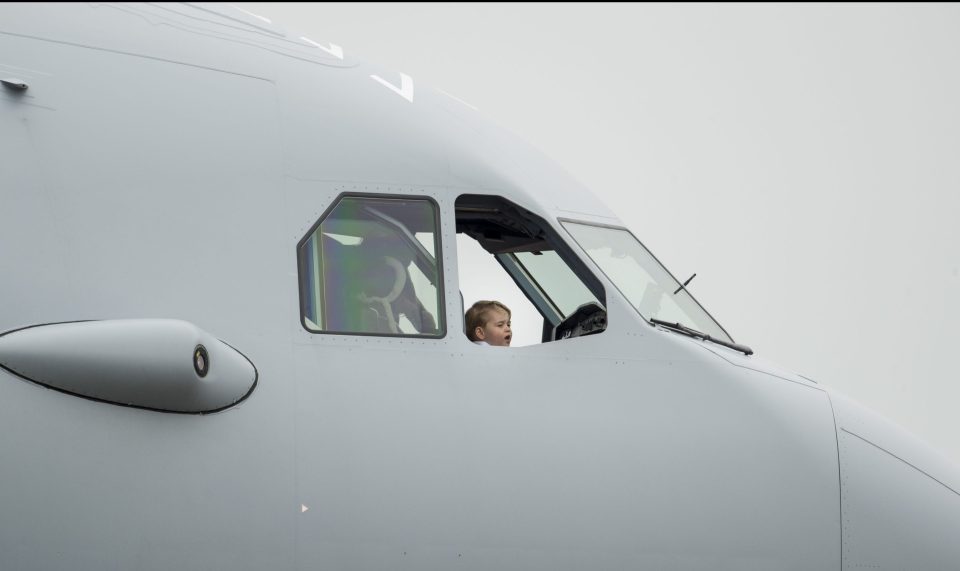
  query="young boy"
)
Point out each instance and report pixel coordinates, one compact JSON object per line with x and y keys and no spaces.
{"x":488,"y":323}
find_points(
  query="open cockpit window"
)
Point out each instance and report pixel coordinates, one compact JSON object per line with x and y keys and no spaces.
{"x":370,"y":266}
{"x":509,"y":254}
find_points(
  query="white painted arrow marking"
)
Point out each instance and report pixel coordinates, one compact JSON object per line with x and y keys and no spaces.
{"x":334,"y":50}
{"x":406,"y":86}
{"x":303,"y":508}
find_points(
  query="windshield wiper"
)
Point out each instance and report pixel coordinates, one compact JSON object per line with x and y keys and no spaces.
{"x":698,"y":335}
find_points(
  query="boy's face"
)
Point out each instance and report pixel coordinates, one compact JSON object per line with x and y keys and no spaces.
{"x":496,"y":331}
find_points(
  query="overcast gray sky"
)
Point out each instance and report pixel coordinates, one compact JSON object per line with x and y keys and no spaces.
{"x":801,"y":159}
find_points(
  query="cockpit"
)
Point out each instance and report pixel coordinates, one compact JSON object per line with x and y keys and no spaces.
{"x":373,"y":265}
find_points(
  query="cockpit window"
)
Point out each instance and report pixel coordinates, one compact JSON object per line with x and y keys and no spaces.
{"x":649,"y":287}
{"x":551,"y":294}
{"x":370,"y":266}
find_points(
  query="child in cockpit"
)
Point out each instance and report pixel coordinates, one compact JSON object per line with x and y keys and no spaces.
{"x":488,"y":323}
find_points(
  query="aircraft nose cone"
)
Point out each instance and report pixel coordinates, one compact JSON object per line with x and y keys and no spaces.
{"x":900,"y":499}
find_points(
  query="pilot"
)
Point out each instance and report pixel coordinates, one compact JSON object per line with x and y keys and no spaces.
{"x":488,"y":323}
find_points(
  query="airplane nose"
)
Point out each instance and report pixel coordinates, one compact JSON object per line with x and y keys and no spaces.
{"x":899,"y":498}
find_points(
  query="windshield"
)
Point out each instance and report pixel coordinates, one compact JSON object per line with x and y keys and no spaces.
{"x":641,"y":278}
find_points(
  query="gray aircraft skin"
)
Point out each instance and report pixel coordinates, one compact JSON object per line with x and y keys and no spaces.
{"x":232,"y":338}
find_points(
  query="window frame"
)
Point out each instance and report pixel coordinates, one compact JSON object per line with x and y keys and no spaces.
{"x":441,"y":317}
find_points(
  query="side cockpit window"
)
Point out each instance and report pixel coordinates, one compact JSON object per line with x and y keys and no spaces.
{"x":370,"y":267}
{"x":511,"y":255}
